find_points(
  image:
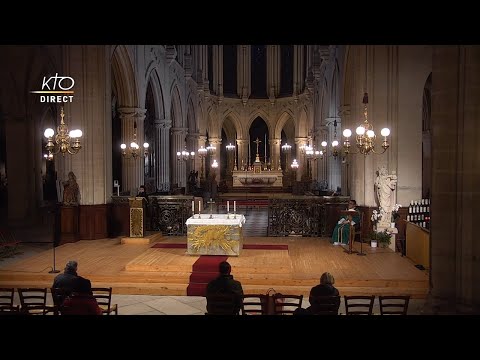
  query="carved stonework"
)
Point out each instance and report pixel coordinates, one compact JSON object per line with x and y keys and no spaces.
{"x":154,"y":54}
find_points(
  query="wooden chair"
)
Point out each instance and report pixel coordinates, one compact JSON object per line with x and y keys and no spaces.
{"x":286,"y":304}
{"x":394,"y":305}
{"x":324,"y":305}
{"x":254,"y":304}
{"x":6,"y":301}
{"x":104,"y":300}
{"x":33,"y":301}
{"x":359,"y":305}
{"x":223,"y":304}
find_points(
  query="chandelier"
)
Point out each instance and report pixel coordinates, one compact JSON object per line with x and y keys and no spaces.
{"x":365,"y":138}
{"x":334,"y":142}
{"x":64,"y":142}
{"x":134,"y":150}
{"x":185,"y":155}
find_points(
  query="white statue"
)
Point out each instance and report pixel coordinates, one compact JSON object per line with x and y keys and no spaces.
{"x":385,"y":189}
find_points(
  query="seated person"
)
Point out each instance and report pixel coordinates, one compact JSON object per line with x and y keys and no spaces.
{"x":65,"y":281}
{"x":325,"y":288}
{"x":224,"y":284}
{"x":142,"y":192}
{"x":81,"y":301}
{"x":341,"y":233}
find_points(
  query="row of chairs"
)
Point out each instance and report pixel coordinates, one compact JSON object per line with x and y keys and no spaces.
{"x":33,"y":301}
{"x":279,"y":304}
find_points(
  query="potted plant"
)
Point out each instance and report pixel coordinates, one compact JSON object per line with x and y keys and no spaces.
{"x":384,"y":238}
{"x":395,"y":215}
{"x":375,"y":218}
{"x":373,"y":239}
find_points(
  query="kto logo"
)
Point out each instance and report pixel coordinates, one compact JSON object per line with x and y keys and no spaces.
{"x":56,"y":85}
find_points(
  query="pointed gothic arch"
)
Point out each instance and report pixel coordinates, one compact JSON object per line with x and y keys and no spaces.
{"x":156,"y":87}
{"x":176,"y":108}
{"x":124,"y":78}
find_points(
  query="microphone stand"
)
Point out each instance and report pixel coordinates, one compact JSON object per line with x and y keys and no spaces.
{"x":55,"y":224}
{"x":54,"y":271}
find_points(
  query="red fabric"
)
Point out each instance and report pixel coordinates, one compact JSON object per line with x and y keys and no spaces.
{"x":204,"y":270}
{"x":80,"y":305}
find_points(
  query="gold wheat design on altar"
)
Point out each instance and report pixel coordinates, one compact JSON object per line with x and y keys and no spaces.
{"x":211,"y":236}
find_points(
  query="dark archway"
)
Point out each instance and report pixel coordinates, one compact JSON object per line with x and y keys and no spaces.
{"x":259,"y":129}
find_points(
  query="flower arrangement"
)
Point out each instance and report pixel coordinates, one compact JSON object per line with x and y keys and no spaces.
{"x":395,"y":214}
{"x":377,"y":216}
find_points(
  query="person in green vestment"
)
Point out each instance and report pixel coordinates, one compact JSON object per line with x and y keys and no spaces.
{"x":341,"y":233}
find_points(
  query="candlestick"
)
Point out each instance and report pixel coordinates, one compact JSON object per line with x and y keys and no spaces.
{"x":228,"y":206}
{"x":193,"y":207}
{"x":199,"y":208}
{"x":234,"y":206}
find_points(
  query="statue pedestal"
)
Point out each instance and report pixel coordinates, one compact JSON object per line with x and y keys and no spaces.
{"x":137,"y":217}
{"x":393,"y":232}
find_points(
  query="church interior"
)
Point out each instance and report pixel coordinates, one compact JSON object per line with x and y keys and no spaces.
{"x":271,"y":141}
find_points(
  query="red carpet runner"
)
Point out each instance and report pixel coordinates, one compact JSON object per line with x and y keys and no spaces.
{"x":204,"y":270}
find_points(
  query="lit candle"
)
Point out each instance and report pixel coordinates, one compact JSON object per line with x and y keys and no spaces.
{"x":234,"y":206}
{"x":228,"y":206}
{"x":193,"y":206}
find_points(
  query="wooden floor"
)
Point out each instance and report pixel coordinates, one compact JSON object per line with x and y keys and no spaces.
{"x":139,"y":269}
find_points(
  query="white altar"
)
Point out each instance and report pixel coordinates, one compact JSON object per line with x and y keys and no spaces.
{"x":218,"y":235}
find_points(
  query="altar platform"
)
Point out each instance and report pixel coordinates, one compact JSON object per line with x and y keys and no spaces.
{"x":146,"y":269}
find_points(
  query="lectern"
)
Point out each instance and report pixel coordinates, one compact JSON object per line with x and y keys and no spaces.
{"x":137,"y":216}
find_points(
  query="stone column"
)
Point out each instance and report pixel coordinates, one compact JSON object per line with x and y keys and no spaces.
{"x":178,"y":144}
{"x":298,"y":79}
{"x":162,"y":154}
{"x":192,"y":145}
{"x":202,"y":139}
{"x":455,"y":273}
{"x":333,"y":163}
{"x":275,"y":153}
{"x":242,"y":153}
{"x":273,"y":71}
{"x":132,"y":169}
{"x":243,"y":72}
{"x":217,"y":142}
{"x":301,"y":159}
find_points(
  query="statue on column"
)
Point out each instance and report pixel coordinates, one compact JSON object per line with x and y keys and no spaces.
{"x":385,"y":189}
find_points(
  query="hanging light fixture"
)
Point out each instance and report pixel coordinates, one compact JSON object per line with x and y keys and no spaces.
{"x":133,"y":151}
{"x":365,"y":138}
{"x":64,"y":142}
